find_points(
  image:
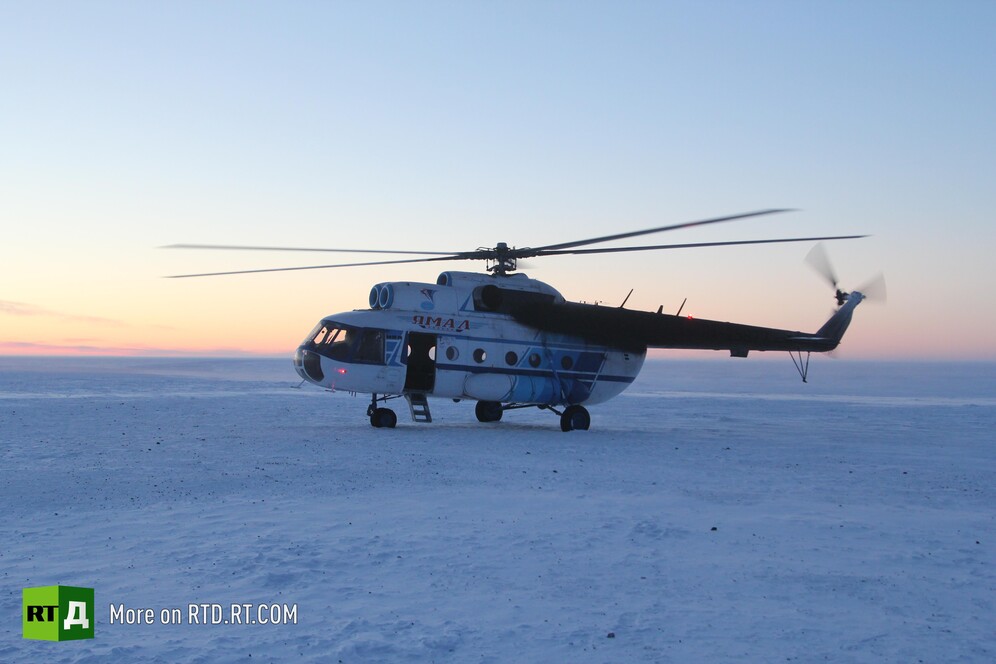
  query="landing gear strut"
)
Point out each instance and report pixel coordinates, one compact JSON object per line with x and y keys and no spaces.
{"x":381,"y":417}
{"x":575,"y":418}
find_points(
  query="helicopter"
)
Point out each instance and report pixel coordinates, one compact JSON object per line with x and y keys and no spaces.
{"x":506,"y":341}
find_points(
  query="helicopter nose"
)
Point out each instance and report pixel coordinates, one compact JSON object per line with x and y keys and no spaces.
{"x":308,"y":365}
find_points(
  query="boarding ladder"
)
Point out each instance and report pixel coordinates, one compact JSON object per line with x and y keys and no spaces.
{"x":419,"y":407}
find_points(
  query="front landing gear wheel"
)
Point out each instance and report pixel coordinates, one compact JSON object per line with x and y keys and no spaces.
{"x":575,"y":417}
{"x":383,"y":417}
{"x":488,"y":411}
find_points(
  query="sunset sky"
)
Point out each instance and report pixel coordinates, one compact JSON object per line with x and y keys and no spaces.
{"x":447,"y":126}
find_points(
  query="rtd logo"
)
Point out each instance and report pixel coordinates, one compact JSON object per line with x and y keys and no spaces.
{"x":57,"y":613}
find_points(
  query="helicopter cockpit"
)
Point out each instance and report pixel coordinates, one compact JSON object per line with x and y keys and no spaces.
{"x":347,"y":343}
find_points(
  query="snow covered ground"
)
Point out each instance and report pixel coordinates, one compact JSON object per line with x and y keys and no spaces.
{"x":717,"y":511}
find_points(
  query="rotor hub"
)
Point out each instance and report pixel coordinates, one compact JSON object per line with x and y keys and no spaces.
{"x":501,"y":260}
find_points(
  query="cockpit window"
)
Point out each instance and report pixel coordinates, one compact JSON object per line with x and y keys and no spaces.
{"x":371,"y":348}
{"x":317,"y":334}
{"x":349,"y":344}
{"x":339,"y":342}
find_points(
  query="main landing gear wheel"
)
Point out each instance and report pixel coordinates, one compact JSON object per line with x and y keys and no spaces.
{"x":488,"y":411}
{"x":575,"y":418}
{"x":383,"y":417}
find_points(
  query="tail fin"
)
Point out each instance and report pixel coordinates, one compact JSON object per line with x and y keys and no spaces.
{"x":834,"y":328}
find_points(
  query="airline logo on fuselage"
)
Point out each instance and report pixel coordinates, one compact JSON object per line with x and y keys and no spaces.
{"x":440,"y":323}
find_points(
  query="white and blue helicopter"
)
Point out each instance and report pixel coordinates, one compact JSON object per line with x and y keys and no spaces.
{"x":507,"y":341}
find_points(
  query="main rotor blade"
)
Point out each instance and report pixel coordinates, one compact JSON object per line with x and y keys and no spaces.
{"x":692,"y":245}
{"x":351,"y":251}
{"x":452,"y":257}
{"x":659,"y":229}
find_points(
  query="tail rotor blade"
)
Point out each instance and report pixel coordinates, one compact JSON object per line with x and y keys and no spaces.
{"x":874,"y":290}
{"x":819,"y":261}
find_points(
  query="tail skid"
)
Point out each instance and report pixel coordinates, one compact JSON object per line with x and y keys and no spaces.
{"x":830,"y":334}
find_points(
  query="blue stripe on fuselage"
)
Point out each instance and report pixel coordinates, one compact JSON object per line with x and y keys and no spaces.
{"x":542,"y":373}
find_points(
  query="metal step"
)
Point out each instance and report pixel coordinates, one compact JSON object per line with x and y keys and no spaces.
{"x":419,"y":407}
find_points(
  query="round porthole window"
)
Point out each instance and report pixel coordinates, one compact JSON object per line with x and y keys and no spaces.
{"x":534,"y":360}
{"x":452,"y":353}
{"x":480,"y":355}
{"x":566,"y":362}
{"x":511,"y":359}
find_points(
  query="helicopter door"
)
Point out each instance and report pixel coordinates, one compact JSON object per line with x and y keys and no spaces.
{"x":421,"y":376}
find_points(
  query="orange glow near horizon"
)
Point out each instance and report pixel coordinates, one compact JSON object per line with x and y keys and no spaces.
{"x":234,"y":321}
{"x":97,"y":313}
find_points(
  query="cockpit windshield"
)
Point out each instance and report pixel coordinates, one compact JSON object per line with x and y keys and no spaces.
{"x":317,"y":335}
{"x":347,"y":343}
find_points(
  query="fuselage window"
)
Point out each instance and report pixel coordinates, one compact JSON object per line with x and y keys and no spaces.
{"x":566,"y":362}
{"x":511,"y":358}
{"x":534,"y":360}
{"x":480,"y":355}
{"x":452,"y":353}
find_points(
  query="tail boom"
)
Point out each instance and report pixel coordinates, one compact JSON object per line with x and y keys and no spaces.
{"x":639,"y":330}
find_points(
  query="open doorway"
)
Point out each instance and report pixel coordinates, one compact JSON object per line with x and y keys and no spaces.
{"x":421,"y":376}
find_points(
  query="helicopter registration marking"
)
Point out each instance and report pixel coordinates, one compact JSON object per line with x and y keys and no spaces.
{"x":440,"y":323}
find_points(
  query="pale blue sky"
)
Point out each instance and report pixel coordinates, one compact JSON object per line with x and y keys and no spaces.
{"x":455,"y":125}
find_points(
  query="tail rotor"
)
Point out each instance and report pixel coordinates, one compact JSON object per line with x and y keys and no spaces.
{"x":818,"y":259}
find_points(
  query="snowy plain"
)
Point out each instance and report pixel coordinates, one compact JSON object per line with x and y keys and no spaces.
{"x":718,"y":510}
